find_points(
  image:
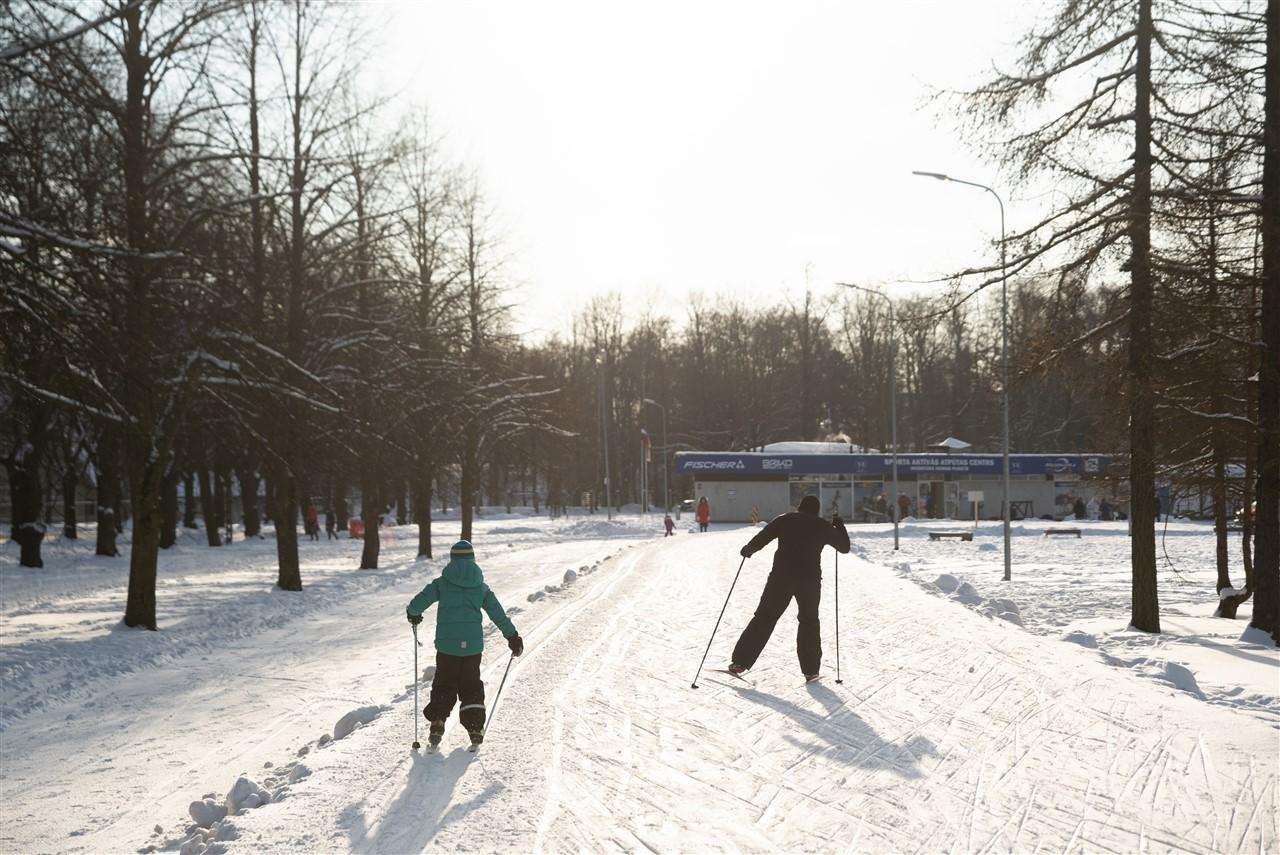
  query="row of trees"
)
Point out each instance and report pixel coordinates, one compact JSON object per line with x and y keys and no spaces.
{"x":221,"y":256}
{"x":220,"y":264}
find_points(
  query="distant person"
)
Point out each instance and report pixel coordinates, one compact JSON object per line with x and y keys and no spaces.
{"x":1155,"y":501}
{"x":1077,"y":508}
{"x":904,"y":506}
{"x":703,"y":514}
{"x":461,"y":592}
{"x":310,"y":522}
{"x":1105,"y":512}
{"x":796,"y":573}
{"x":1093,"y":507}
{"x":330,"y":525}
{"x":668,"y":524}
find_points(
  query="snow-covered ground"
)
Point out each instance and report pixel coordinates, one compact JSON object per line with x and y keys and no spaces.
{"x":955,"y":728}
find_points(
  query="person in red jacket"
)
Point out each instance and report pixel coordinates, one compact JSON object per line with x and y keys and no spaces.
{"x":703,"y":514}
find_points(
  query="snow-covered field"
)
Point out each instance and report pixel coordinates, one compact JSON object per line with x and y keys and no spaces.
{"x":974,"y":714}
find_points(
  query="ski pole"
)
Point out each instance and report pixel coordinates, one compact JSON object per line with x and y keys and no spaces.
{"x":416,"y":645}
{"x":713,"y":632}
{"x":837,"y":572}
{"x":494,"y":708}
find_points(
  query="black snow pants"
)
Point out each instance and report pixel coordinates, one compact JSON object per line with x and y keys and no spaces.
{"x":457,"y":678}
{"x":778,"y":591}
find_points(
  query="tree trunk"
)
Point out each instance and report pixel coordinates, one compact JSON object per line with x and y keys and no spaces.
{"x":1266,"y":603}
{"x":169,"y":511}
{"x":209,"y":507}
{"x":467,"y":484}
{"x":108,"y":491}
{"x":284,"y":512}
{"x":422,"y":511}
{"x":248,"y":478}
{"x":371,"y":513}
{"x":402,"y":502}
{"x":140,"y":607}
{"x":24,"y":481}
{"x":341,"y":506}
{"x":1146,"y":606}
{"x":189,"y":501}
{"x":70,"y":479}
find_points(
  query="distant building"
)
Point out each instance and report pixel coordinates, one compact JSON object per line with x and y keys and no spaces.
{"x":859,"y":484}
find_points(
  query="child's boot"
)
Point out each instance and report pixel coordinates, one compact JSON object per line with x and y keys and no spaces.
{"x":436,"y":734}
{"x":477,"y":737}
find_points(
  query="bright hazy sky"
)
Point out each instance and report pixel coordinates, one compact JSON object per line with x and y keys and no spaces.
{"x":661,"y":148}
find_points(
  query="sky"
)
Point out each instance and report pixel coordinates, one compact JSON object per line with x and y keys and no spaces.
{"x":743,"y":149}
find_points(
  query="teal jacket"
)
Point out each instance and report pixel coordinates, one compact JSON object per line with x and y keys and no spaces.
{"x":461,"y":592}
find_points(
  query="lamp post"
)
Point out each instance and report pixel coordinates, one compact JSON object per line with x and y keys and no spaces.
{"x":1004,"y":351}
{"x":893,"y":399}
{"x":604,"y":433}
{"x":666,"y":494}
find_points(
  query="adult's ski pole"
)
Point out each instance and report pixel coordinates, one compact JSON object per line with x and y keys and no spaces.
{"x":837,"y":571}
{"x":416,"y":675}
{"x":494,"y":708}
{"x":713,"y":632}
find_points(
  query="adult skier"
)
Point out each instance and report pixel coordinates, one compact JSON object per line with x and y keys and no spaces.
{"x":797,"y":572}
{"x":461,"y":592}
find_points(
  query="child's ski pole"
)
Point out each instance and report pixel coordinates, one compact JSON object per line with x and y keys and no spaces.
{"x":416,"y":645}
{"x":717,"y":626}
{"x":494,"y":708}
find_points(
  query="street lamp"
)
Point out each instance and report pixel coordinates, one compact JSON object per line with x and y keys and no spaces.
{"x":604,"y":433}
{"x":666,"y":494}
{"x":1004,"y":352}
{"x":893,"y":399}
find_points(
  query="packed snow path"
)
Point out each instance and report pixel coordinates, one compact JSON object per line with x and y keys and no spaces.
{"x":952,"y":730}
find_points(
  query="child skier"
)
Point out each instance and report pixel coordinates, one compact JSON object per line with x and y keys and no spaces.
{"x":669,"y":525}
{"x":461,"y":592}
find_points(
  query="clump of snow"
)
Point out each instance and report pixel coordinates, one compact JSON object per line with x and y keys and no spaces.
{"x":428,"y":673}
{"x":536,"y":595}
{"x":946,"y":583}
{"x":1082,"y":638}
{"x":515,"y":529}
{"x":1003,"y":609}
{"x":298,"y":772}
{"x":570,"y":577}
{"x":987,"y":547}
{"x":1227,"y":593}
{"x":355,"y":718}
{"x":245,"y":794}
{"x":225,"y":830}
{"x":968,"y":594}
{"x":903,"y":567}
{"x":1253,"y":635}
{"x":324,"y":740}
{"x":206,"y":812}
{"x":1182,"y":678}
{"x":551,"y":589}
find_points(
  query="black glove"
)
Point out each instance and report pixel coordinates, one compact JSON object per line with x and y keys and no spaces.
{"x":516,"y":643}
{"x":414,"y":619}
{"x":745,"y":552}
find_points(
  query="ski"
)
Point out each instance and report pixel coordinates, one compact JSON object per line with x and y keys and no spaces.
{"x":731,"y":674}
{"x":474,"y":748}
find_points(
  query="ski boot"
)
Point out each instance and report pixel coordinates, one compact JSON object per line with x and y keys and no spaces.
{"x":434,"y":736}
{"x":477,"y":737}
{"x":736,"y":670}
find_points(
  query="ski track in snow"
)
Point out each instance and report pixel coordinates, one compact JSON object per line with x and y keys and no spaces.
{"x":952,"y":730}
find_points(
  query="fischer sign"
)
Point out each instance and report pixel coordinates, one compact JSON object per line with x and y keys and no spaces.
{"x":714,"y":464}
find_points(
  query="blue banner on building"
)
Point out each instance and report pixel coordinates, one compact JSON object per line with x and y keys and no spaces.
{"x":721,"y":464}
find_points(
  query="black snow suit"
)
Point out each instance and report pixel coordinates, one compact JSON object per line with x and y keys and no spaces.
{"x":797,"y":573}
